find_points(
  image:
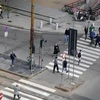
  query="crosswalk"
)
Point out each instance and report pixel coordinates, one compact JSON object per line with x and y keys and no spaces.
{"x":28,"y":91}
{"x":34,"y":91}
{"x":89,"y":56}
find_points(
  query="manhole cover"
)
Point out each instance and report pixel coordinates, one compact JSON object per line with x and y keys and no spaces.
{"x":20,"y":72}
{"x":9,"y":21}
{"x":16,"y":15}
{"x":68,"y":23}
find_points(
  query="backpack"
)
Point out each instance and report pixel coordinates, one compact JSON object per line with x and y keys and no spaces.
{"x":79,"y":55}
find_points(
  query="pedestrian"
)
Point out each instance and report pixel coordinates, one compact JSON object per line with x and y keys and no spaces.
{"x":64,"y":55}
{"x":91,"y":28}
{"x":56,"y":49}
{"x":64,"y":66}
{"x":12,"y":57}
{"x":1,"y":11}
{"x":97,"y":40}
{"x":86,"y":32}
{"x":79,"y":57}
{"x":99,"y":30}
{"x":55,"y":65}
{"x":66,"y":35}
{"x":92,"y":36}
{"x":16,"y":92}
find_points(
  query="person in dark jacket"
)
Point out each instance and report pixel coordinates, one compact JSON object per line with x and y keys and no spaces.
{"x":64,"y":65}
{"x":12,"y":57}
{"x":55,"y":65}
{"x":1,"y":11}
{"x":56,"y":49}
{"x":86,"y":32}
{"x":99,"y":30}
{"x":97,"y":40}
{"x":66,"y":35}
{"x":79,"y":57}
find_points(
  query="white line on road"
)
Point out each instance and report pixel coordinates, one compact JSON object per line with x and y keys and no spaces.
{"x":24,"y":94}
{"x":37,"y":85}
{"x":32,"y":89}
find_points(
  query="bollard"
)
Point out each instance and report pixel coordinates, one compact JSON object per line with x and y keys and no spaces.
{"x":50,"y":20}
{"x":41,"y":24}
{"x":56,"y":26}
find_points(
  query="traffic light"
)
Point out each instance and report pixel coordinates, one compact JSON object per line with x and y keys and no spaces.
{"x":33,"y":49}
{"x":42,"y":42}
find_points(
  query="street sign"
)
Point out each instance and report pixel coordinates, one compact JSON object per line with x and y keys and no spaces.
{"x":6,"y":29}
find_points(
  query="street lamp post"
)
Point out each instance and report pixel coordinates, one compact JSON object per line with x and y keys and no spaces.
{"x":7,"y":8}
{"x":32,"y":34}
{"x":6,"y":35}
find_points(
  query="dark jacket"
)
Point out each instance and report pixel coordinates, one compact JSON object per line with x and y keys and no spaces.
{"x":56,"y":49}
{"x":64,"y":64}
{"x":66,"y":32}
{"x":97,"y":38}
{"x":86,"y":30}
{"x":12,"y":56}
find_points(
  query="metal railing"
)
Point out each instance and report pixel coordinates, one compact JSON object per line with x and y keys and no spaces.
{"x":75,"y":4}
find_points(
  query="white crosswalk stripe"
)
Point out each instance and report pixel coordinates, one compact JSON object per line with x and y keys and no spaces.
{"x":34,"y":91}
{"x":89,"y":56}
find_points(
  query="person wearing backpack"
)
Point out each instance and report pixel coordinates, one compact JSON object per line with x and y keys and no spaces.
{"x":79,"y":57}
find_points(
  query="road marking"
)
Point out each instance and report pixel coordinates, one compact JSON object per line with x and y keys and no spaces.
{"x":82,"y":42}
{"x":71,"y":74}
{"x":37,"y":85}
{"x":60,"y":66}
{"x":71,"y":61}
{"x":87,"y":40}
{"x":87,"y":50}
{"x":12,"y":95}
{"x":83,"y":61}
{"x":24,"y":94}
{"x":90,"y":48}
{"x":32,"y":89}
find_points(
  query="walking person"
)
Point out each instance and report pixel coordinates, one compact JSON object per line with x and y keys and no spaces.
{"x":86,"y":32}
{"x":16,"y":92}
{"x":66,"y":35}
{"x":99,"y":30}
{"x":64,"y":67}
{"x":12,"y":57}
{"x":55,"y":65}
{"x":79,"y":57}
{"x":97,"y":40}
{"x":1,"y":11}
{"x":56,"y":49}
{"x":92,"y":36}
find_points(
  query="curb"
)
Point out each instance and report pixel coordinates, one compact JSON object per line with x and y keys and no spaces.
{"x":23,"y":76}
{"x":39,"y":30}
{"x":69,"y":87}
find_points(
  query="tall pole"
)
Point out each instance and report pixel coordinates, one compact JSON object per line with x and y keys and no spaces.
{"x":32,"y":27}
{"x":7,"y":8}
